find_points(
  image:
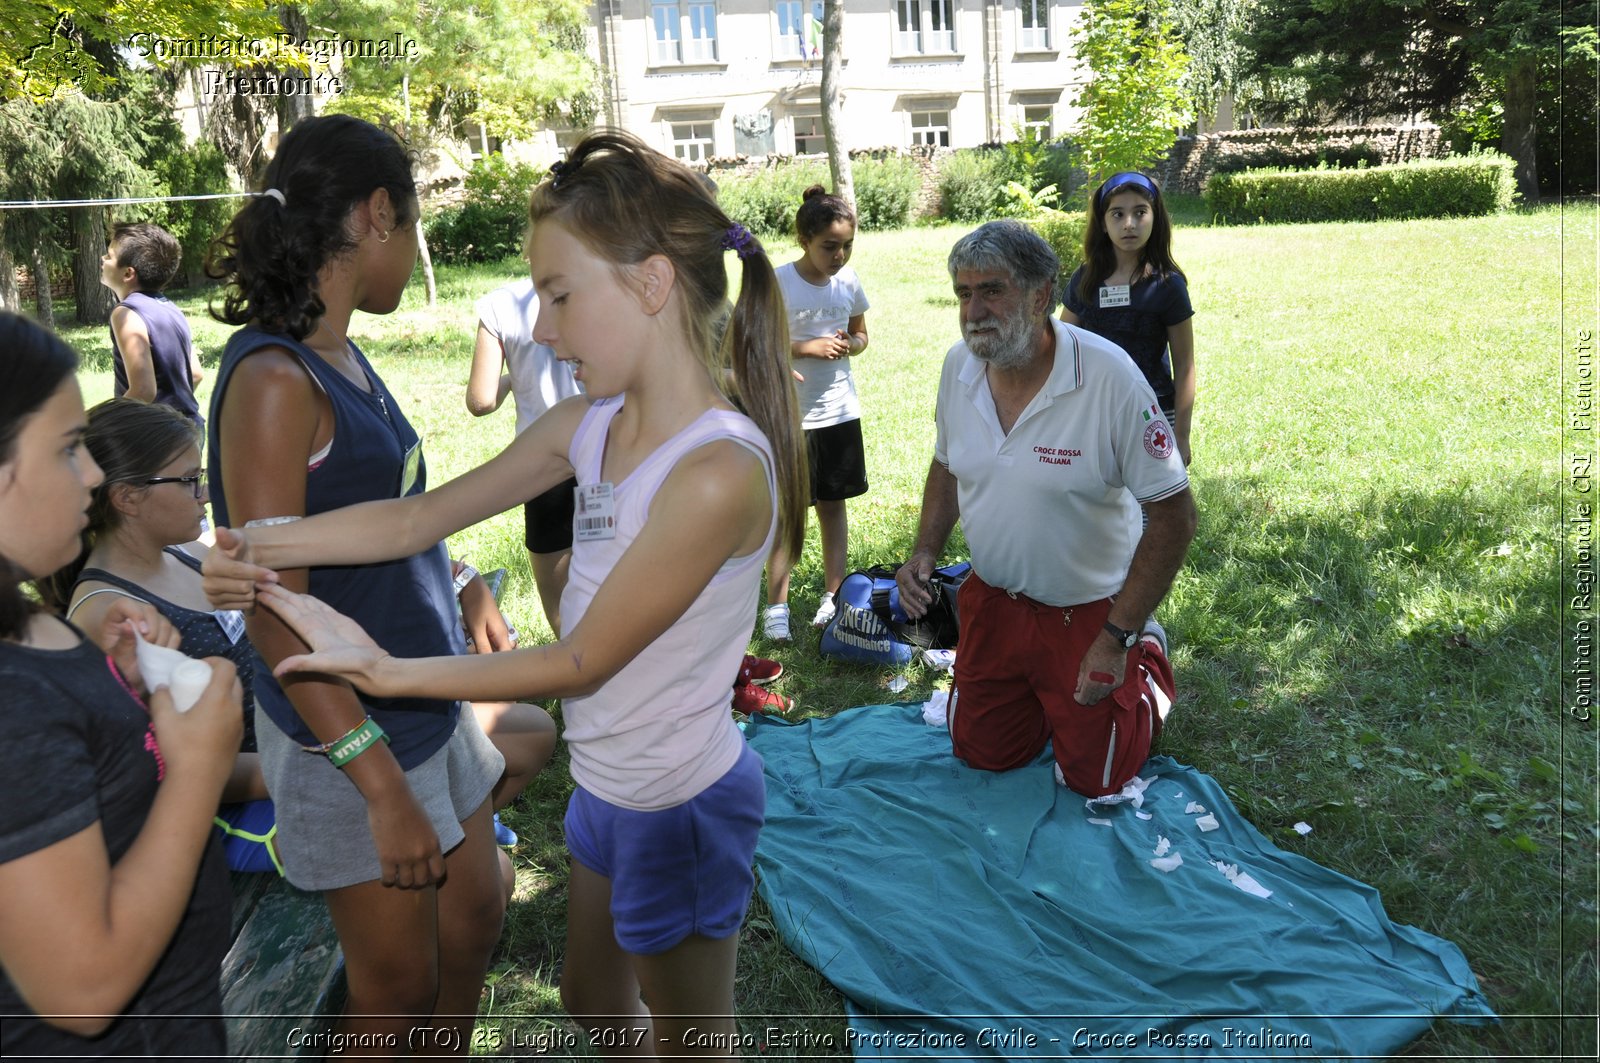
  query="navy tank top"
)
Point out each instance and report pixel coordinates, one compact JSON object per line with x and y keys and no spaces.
{"x":169,"y":354}
{"x":408,"y":605}
{"x":204,"y":634}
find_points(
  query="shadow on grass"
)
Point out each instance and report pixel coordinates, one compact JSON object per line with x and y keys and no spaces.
{"x":1387,"y":671}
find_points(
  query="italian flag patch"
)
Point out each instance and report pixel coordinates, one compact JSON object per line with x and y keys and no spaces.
{"x":1153,"y":412}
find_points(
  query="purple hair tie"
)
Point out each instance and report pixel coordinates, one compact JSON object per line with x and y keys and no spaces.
{"x":738,"y":238}
{"x":558,"y":170}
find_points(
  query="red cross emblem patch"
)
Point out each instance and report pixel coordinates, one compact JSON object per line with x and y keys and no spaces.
{"x":1158,"y":439}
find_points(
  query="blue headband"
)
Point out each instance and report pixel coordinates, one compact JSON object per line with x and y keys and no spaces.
{"x":1117,"y":182}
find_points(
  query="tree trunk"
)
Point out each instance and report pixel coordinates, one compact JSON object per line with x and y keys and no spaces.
{"x":43,"y":303}
{"x":94,"y":299}
{"x":1517,"y":131}
{"x":844,"y":185}
{"x":427,"y":265}
{"x":293,"y":108}
{"x":10,"y":298}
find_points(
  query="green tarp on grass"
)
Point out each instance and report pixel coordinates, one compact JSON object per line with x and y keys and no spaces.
{"x":967,"y":914}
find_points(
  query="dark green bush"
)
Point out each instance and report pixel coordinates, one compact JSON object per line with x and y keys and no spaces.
{"x":886,"y":190}
{"x":1355,"y":154}
{"x":1430,"y":188}
{"x":487,"y":225}
{"x":1063,"y":230}
{"x":765,"y":202}
{"x":972,"y":186}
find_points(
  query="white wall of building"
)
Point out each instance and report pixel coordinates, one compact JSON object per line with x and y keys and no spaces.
{"x":698,"y":79}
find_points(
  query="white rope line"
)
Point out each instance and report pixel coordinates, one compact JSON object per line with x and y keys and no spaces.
{"x":25,"y":204}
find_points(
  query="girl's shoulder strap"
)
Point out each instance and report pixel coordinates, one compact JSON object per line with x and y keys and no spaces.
{"x":588,"y":446}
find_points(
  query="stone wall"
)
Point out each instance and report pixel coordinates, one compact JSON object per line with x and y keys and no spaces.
{"x":1193,"y":159}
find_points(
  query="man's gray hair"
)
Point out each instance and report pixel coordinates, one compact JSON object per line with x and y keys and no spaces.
{"x":1011,"y":247}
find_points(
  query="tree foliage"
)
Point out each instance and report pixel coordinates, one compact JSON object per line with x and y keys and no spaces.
{"x":512,"y":65}
{"x":1365,"y":59}
{"x":48,"y":45}
{"x":1214,"y":35}
{"x":1135,"y":101}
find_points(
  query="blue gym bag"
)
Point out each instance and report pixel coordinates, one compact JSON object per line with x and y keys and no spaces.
{"x":869,"y":625}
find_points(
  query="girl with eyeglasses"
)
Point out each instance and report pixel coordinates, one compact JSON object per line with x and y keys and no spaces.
{"x":1130,"y":291}
{"x":151,"y":501}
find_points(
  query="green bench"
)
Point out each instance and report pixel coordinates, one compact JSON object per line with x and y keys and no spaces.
{"x":284,"y":971}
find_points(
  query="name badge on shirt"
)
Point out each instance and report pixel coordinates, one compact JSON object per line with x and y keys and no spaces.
{"x":231,"y":621}
{"x":596,"y":517}
{"x":1113,"y":295}
{"x":413,"y":464}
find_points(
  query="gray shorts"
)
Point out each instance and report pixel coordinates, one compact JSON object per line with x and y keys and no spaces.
{"x":324,"y":839}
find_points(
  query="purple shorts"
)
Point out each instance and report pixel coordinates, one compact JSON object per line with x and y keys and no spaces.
{"x":677,"y":871}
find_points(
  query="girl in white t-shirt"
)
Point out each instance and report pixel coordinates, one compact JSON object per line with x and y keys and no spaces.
{"x":827,"y":326}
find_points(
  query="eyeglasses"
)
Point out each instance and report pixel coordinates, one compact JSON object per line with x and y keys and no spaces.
{"x":197,"y":483}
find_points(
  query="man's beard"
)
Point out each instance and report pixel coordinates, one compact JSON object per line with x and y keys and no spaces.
{"x":1009,"y":346}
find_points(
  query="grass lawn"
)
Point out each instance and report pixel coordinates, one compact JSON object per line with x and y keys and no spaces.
{"x":1366,"y":635}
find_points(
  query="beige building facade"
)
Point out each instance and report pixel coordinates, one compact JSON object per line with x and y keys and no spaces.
{"x":716,"y":78}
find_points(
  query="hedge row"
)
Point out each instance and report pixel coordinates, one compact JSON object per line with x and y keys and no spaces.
{"x":1430,"y":188}
{"x":886,"y":192}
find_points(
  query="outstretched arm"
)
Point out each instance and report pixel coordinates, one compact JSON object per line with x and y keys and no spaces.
{"x":534,"y":462}
{"x":714,"y":506}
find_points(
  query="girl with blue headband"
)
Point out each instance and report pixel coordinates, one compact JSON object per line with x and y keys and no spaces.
{"x":1130,"y":291}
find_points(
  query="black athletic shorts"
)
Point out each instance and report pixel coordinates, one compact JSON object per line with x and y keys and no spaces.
{"x":838,"y":461}
{"x":547,"y":519}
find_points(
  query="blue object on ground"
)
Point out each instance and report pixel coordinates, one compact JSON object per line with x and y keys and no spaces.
{"x":503,"y":835}
{"x":971,"y":914}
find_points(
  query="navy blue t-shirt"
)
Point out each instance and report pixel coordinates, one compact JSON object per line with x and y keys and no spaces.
{"x":1154,"y":304}
{"x":409,"y":605}
{"x":169,"y":354}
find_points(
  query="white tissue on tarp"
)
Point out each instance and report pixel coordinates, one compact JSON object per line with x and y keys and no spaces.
{"x":1193,"y":807}
{"x":183,"y":676}
{"x":1168,"y":864}
{"x":897,"y":684}
{"x":1207,"y":822}
{"x":934,"y":709}
{"x":1097,"y":821}
{"x":1132,"y":793}
{"x":939,"y":660}
{"x":1144,"y":815}
{"x":1241,"y":879}
{"x":1162,"y":845}
{"x":1302,"y":828}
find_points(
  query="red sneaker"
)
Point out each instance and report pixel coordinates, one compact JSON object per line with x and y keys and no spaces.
{"x":758,"y":670}
{"x":750,"y":699}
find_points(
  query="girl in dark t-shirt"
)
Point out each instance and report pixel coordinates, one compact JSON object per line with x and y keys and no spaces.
{"x":115,"y":918}
{"x":1130,"y":291}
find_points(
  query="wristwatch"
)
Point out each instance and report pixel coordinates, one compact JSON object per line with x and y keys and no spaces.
{"x":1125,"y":638}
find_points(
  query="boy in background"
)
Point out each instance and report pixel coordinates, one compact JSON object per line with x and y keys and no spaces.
{"x":153,"y":358}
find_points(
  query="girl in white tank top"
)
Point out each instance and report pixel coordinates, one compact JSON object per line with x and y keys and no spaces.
{"x":681,"y":496}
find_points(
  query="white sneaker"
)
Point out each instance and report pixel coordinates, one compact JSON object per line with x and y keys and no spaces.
{"x":825,"y":612}
{"x":775,"y":622}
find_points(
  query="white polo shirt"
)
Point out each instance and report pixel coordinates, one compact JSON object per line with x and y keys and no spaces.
{"x":538,"y":379}
{"x":1052,"y":510}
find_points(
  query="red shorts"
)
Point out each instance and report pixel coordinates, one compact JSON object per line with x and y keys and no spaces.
{"x":1015,"y":673}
